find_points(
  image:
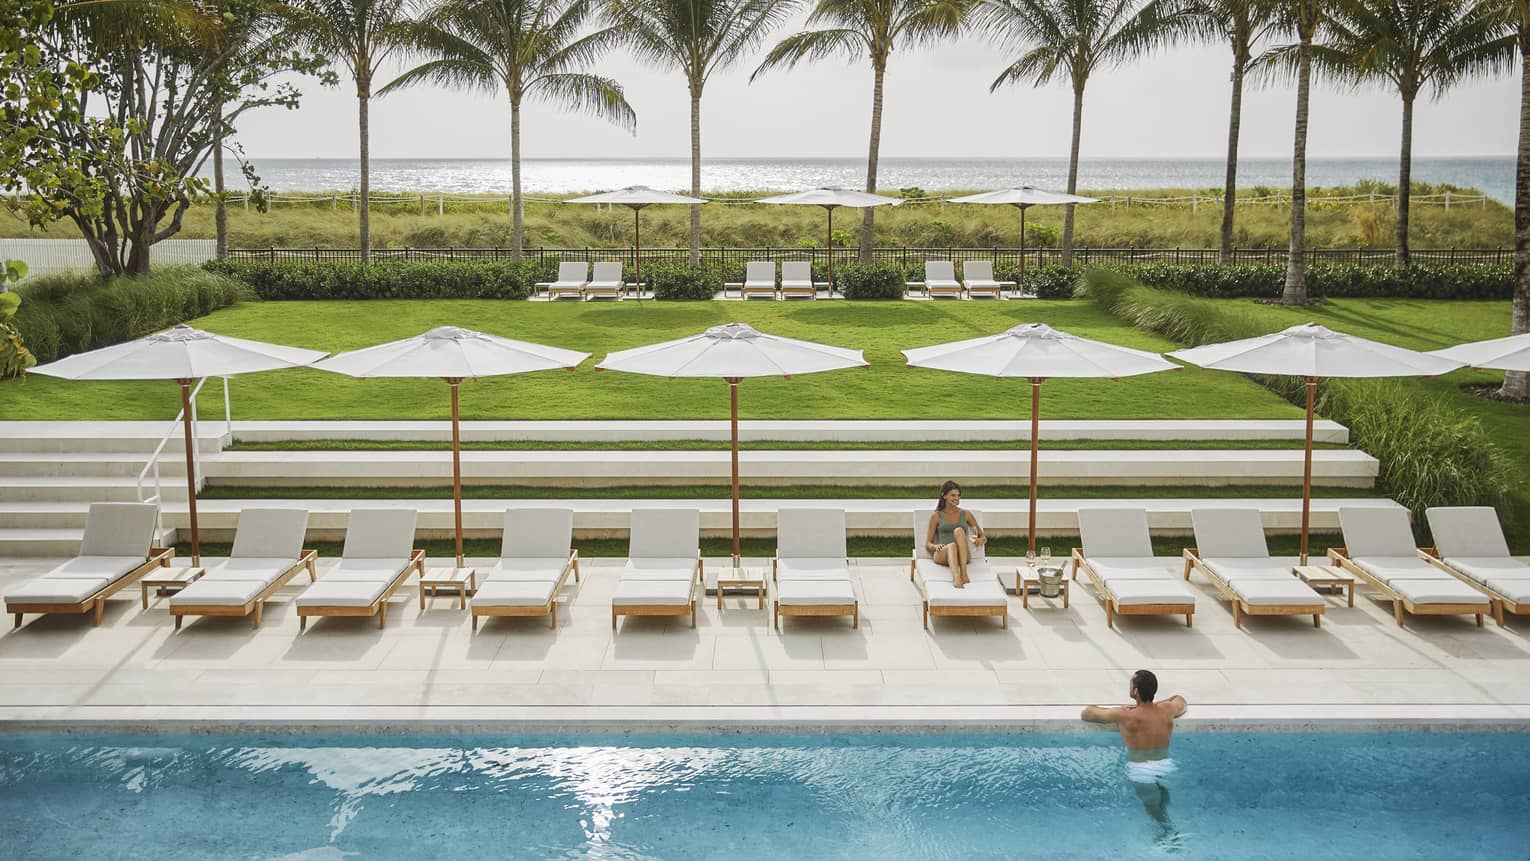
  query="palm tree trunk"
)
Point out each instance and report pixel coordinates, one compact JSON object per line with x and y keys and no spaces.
{"x":517,"y":205}
{"x":1296,"y":267}
{"x":220,"y":208}
{"x":1516,"y":384}
{"x":1234,"y":126}
{"x":1078,"y":129}
{"x":868,"y":217}
{"x":364,"y":207}
{"x":1404,"y":182}
{"x":695,"y":175}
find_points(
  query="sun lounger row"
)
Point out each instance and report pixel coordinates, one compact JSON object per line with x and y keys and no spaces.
{"x":796,"y":281}
{"x":575,"y":280}
{"x":1379,"y":549}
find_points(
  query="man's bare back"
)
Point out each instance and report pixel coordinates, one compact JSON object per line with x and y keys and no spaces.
{"x":1144,"y":726}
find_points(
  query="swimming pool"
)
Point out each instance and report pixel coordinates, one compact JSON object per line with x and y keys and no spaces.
{"x":1382,"y":795}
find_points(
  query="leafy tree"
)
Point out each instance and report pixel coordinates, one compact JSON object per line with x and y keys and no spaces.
{"x":15,"y":358}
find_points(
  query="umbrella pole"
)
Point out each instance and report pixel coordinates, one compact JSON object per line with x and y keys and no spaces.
{"x":1035,"y":437}
{"x":733,"y":406}
{"x":1021,"y":285}
{"x":1307,"y":467}
{"x":456,"y":468}
{"x":637,"y":252}
{"x":828,"y":247}
{"x":191,"y":471}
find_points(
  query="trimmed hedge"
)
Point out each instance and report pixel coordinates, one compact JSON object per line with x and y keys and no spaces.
{"x":442,"y":279}
{"x":1477,"y":281}
{"x":70,"y":313}
{"x":869,"y":281}
{"x":680,"y":283}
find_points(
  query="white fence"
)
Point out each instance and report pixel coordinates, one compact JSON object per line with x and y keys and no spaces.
{"x":46,"y":256}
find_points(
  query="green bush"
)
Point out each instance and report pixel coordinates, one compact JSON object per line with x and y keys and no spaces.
{"x":870,"y":281}
{"x":71,"y":313}
{"x":1419,"y":281}
{"x":1050,"y":282}
{"x":438,"y":279}
{"x":679,"y":283}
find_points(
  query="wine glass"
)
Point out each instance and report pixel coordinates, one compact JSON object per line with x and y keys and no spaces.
{"x":1046,"y":556}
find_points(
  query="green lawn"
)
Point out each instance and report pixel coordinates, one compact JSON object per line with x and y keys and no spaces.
{"x":886,"y":390}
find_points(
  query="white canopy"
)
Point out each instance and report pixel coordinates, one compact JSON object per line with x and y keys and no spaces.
{"x":182,"y":353}
{"x":732,"y":350}
{"x":452,"y":353}
{"x":832,"y":197}
{"x":1506,"y":354}
{"x":1310,"y":350}
{"x":1037,"y":350}
{"x":636,"y":196}
{"x":1024,"y":195}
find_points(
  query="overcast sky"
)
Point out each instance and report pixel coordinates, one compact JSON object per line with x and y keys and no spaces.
{"x":937,"y":104}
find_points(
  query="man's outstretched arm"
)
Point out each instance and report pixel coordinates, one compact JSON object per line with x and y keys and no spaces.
{"x":1099,"y":714}
{"x":1179,"y":704}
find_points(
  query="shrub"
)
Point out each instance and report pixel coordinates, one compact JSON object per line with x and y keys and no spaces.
{"x":869,"y":281}
{"x":1050,"y":282}
{"x":437,"y":279}
{"x":680,"y":283}
{"x":1419,"y":281}
{"x":70,"y":313}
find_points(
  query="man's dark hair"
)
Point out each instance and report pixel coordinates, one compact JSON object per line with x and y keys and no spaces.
{"x":1146,"y":684}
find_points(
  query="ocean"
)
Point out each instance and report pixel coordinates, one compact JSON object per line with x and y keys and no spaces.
{"x":1493,"y":175}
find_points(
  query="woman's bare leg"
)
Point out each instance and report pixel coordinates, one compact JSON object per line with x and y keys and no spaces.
{"x":961,"y":554}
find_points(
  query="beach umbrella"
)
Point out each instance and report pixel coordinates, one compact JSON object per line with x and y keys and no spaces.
{"x":1501,"y":354}
{"x":1036,"y":352}
{"x":830,"y":199}
{"x":182,"y":354}
{"x":1313,"y":353}
{"x":637,"y":197}
{"x":732,"y":351}
{"x":1023,"y":198}
{"x":452,"y":354}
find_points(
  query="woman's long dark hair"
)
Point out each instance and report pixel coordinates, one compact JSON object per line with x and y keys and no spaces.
{"x":940,"y":504}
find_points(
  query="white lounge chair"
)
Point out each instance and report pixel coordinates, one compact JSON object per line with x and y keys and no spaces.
{"x":1117,"y":554}
{"x":759,"y":280}
{"x":376,"y":560}
{"x":940,"y":279}
{"x":1469,"y":543}
{"x":268,"y":552}
{"x":606,"y":283}
{"x":116,"y":552}
{"x":1379,"y":549}
{"x":535,"y":558}
{"x":977,"y":279}
{"x":982,"y":596}
{"x":663,"y":567}
{"x":1231,"y":551}
{"x":572,"y":278}
{"x":811,"y":568}
{"x":797,"y":280}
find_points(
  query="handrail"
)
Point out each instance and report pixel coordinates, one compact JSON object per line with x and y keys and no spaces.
{"x":152,"y":466}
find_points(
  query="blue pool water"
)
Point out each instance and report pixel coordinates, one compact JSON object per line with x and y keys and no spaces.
{"x":1379,"y":796}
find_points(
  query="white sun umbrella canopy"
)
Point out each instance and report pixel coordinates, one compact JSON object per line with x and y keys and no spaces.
{"x":1023,"y":197}
{"x":831,"y":199}
{"x":637,"y":197}
{"x":1037,"y":352}
{"x":732,"y":352}
{"x":453,"y":354}
{"x":1501,"y":354}
{"x":185,"y":355}
{"x":1314,"y":352}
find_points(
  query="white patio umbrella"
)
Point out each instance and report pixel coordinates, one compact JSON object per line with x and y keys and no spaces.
{"x":830,"y":199}
{"x":1501,"y":354}
{"x":732,"y":352}
{"x":453,"y":354}
{"x":1313,"y":353}
{"x":637,"y":197}
{"x":1036,"y":352}
{"x":185,"y":355}
{"x":1023,"y":198}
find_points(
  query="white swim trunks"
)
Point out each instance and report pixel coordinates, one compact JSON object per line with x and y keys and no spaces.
{"x":1151,"y":771}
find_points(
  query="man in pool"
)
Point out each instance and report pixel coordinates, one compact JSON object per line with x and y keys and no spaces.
{"x":1145,"y":727}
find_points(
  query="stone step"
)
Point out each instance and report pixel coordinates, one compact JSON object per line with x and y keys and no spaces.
{"x":114,"y":464}
{"x":61,"y":542}
{"x":86,"y":489}
{"x":111,"y":437}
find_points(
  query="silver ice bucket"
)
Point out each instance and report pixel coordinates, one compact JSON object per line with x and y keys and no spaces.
{"x":1051,"y":581}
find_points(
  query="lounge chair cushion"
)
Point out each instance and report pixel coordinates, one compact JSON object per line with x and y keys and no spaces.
{"x":379,"y":533}
{"x":1252,"y":568}
{"x":364,"y":571}
{"x":814,"y":593}
{"x":119,"y":529}
{"x":1376,"y":532}
{"x":1515,"y":590}
{"x":546,"y":568}
{"x":1229,"y":533}
{"x":1484,"y":568}
{"x":1136,"y":592}
{"x":1389,"y":568}
{"x":1432,"y":591}
{"x":222,"y":593}
{"x":836,"y":568}
{"x":1136,"y":567}
{"x":537,"y":533}
{"x":664,"y":533}
{"x":931,"y":571}
{"x":96,"y":567}
{"x":270,"y":532}
{"x":249,"y":569}
{"x":56,"y":590}
{"x":1467,"y":531}
{"x":1263,"y":591}
{"x":810,"y":533}
{"x":341,"y":593}
{"x":662,"y":592}
{"x":978,"y":593}
{"x":1115,"y":532}
{"x":683,"y":568}
{"x":515,"y":593}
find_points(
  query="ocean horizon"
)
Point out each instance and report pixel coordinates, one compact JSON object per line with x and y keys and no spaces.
{"x":1493,"y":175}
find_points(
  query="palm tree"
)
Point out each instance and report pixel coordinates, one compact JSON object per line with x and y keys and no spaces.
{"x":525,"y":48}
{"x":361,"y":34}
{"x":1078,"y":38}
{"x":1412,"y":45}
{"x":874,"y":27}
{"x":1513,"y":17}
{"x":697,"y":38}
{"x":1302,"y":18}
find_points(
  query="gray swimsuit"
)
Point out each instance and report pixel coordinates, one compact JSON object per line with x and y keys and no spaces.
{"x":945,"y":531}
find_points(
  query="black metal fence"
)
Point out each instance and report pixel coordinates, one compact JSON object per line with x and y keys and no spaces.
{"x":903,"y":256}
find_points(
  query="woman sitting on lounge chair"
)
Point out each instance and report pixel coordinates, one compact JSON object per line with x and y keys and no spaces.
{"x":951,"y":529}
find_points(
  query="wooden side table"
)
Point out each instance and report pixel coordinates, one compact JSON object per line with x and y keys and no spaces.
{"x":167,"y":581}
{"x":1327,"y":576}
{"x":462,"y":581}
{"x":742,"y":578}
{"x":1026,"y":577}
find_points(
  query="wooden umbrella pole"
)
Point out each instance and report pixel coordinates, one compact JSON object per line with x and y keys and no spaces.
{"x":191,"y":471}
{"x":733,"y":406}
{"x":1035,"y":438}
{"x":456,"y":467}
{"x":1307,"y":467}
{"x":637,"y":251}
{"x":1020,"y":286}
{"x":829,"y":248}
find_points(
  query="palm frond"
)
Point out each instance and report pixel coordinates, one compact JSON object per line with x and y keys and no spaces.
{"x":591,"y":94}
{"x":811,"y":46}
{"x":1038,"y":66}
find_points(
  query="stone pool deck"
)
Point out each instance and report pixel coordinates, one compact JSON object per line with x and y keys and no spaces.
{"x":427,"y":666}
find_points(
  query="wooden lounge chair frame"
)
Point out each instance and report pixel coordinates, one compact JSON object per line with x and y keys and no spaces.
{"x":1339,"y":556}
{"x":853,"y":609}
{"x":1240,"y":607}
{"x":159,"y":557}
{"x":548,"y":609}
{"x":663,"y":609}
{"x":1113,"y":609}
{"x":255,"y":605}
{"x":1501,"y":603}
{"x":378,"y":608}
